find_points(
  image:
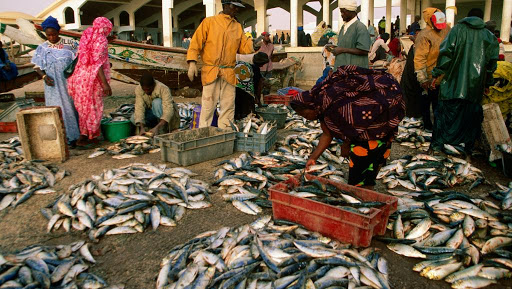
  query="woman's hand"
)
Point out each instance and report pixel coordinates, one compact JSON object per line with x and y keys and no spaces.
{"x":107,"y":90}
{"x":309,"y":163}
{"x":48,"y":80}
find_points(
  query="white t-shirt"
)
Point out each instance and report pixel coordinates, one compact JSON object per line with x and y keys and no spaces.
{"x":378,"y":43}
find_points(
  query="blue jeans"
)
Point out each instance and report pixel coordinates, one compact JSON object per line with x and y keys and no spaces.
{"x":152,"y":115}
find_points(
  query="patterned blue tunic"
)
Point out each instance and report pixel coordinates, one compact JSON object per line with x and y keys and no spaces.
{"x":53,"y":59}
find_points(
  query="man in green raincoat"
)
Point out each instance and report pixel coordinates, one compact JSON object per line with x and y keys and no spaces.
{"x":467,"y":59}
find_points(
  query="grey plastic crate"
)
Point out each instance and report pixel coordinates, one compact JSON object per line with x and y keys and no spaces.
{"x":255,"y":142}
{"x":273,"y":114}
{"x":196,"y":145}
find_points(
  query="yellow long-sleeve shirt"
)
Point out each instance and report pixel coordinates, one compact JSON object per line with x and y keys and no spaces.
{"x":218,"y":39}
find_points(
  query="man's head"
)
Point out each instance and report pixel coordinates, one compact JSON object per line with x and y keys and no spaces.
{"x":231,"y":7}
{"x":476,"y":12}
{"x":266,"y":37}
{"x":384,"y":36}
{"x":490,"y":25}
{"x":417,"y":18}
{"x":147,"y":82}
{"x":497,"y":33}
{"x":348,"y":9}
{"x":438,"y":20}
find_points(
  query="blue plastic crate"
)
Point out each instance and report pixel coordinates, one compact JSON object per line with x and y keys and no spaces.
{"x":256,"y":142}
{"x":284,"y":91}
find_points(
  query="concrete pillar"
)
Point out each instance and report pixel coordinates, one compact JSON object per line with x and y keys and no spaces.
{"x":388,"y":16}
{"x":210,"y":7}
{"x":363,"y":16}
{"x":167,"y":6}
{"x":175,"y":22}
{"x":425,"y":4}
{"x":261,"y":14}
{"x":117,"y":22}
{"x":403,"y":16}
{"x":326,"y":12}
{"x":450,"y":12}
{"x":218,"y":6}
{"x":78,"y":21}
{"x":294,"y":5}
{"x":371,"y":11}
{"x":417,"y":8}
{"x":487,"y":10}
{"x":411,"y":6}
{"x":505,"y":20}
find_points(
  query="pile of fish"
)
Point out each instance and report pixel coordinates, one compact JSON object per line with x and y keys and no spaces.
{"x":11,"y":151}
{"x":62,"y":266}
{"x":244,"y":180}
{"x":128,"y":200}
{"x":186,"y":111}
{"x":466,"y":242}
{"x":128,"y":148}
{"x":429,"y":173}
{"x":125,"y":110}
{"x":252,"y":124}
{"x":270,"y":254}
{"x":411,"y":134}
{"x":21,"y":180}
{"x":303,"y":144}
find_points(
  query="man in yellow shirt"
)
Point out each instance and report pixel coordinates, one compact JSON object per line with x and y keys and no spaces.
{"x":154,"y":107}
{"x":217,"y":40}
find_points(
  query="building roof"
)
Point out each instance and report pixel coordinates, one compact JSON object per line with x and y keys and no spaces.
{"x":10,"y":17}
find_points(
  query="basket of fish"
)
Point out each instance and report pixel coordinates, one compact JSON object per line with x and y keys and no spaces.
{"x":273,"y":113}
{"x":254,"y":134}
{"x":346,"y":213}
{"x":196,"y":145}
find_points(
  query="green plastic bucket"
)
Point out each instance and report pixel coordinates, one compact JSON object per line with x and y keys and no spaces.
{"x":115,"y":131}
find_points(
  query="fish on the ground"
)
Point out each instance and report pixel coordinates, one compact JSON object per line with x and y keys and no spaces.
{"x":62,"y":266}
{"x":128,"y":200}
{"x":270,"y":254}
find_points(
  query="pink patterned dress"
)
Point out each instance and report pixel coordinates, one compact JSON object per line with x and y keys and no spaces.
{"x":85,"y":85}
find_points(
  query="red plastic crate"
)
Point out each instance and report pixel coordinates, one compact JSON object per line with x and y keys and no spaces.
{"x":277,"y":99}
{"x":331,"y":221}
{"x":8,"y":127}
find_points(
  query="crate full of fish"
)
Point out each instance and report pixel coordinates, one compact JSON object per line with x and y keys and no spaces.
{"x":196,"y":145}
{"x":275,"y":113}
{"x":347,"y":213}
{"x":253,"y":134}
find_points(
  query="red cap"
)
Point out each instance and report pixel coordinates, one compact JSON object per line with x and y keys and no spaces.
{"x":265,"y":33}
{"x":439,"y":20}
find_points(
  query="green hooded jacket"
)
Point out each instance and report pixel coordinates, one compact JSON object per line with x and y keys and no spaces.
{"x":467,"y":58}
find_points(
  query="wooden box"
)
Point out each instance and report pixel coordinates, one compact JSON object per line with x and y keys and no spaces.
{"x":42,"y":133}
{"x":494,"y":129}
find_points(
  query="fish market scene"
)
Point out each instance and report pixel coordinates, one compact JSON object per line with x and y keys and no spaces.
{"x":255,"y":144}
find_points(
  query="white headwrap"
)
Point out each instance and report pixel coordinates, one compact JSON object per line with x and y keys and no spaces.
{"x":350,"y":5}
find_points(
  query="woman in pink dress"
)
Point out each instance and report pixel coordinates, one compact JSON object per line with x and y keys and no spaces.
{"x":90,"y":80}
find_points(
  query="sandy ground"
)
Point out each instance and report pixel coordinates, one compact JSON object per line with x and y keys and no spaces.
{"x":134,"y":259}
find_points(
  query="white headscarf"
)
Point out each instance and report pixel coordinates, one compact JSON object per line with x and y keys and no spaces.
{"x":350,"y":5}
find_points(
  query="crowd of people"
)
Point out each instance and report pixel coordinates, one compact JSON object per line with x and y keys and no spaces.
{"x":447,"y":72}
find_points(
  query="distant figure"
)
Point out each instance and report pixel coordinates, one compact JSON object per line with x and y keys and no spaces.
{"x":276,"y":39}
{"x":467,"y":60}
{"x":415,"y":26}
{"x":51,"y":59}
{"x":302,"y":40}
{"x":149,"y":40}
{"x":491,"y":26}
{"x":309,"y":42}
{"x":186,"y":41}
{"x":133,"y":38}
{"x":287,"y":38}
{"x":8,"y":70}
{"x":90,"y":80}
{"x":282,"y":38}
{"x":372,"y":32}
{"x":268,"y":49}
{"x":397,"y":24}
{"x":379,"y":49}
{"x":382,"y":25}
